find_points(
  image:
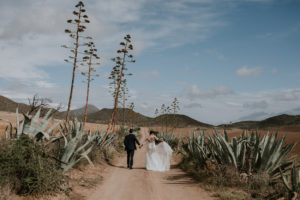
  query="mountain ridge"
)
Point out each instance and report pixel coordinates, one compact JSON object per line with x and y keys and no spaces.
{"x":96,"y":115}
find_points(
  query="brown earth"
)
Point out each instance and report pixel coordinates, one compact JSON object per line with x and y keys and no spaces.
{"x":138,"y":183}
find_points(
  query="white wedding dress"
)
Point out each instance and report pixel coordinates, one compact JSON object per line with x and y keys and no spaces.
{"x":158,"y":156}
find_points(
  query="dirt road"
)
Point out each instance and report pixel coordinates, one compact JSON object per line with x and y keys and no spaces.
{"x":121,"y":183}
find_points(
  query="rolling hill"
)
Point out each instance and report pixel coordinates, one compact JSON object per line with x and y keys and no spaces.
{"x":179,"y":119}
{"x":276,"y":121}
{"x":102,"y":116}
{"x":80,"y":111}
{"x":9,"y":105}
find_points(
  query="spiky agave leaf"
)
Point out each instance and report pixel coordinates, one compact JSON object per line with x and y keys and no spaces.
{"x":32,"y":127}
{"x":8,"y":135}
{"x":75,"y":144}
{"x":267,"y":153}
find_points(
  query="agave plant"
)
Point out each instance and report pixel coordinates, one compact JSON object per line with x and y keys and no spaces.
{"x":33,"y":127}
{"x":248,"y":153}
{"x":292,"y":180}
{"x":74,"y":145}
{"x":171,"y":139}
{"x":108,"y":140}
{"x":196,"y":149}
{"x":8,"y":127}
{"x":77,"y":145}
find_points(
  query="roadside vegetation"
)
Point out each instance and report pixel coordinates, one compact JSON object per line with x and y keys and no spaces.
{"x":36,"y":156}
{"x":250,"y":166}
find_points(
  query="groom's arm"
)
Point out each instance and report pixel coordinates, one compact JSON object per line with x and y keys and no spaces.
{"x":136,"y":140}
{"x":125,"y":140}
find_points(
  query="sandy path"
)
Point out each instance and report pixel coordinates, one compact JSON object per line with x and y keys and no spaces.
{"x":121,"y":183}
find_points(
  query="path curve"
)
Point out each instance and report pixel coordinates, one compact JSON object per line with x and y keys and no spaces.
{"x":121,"y":183}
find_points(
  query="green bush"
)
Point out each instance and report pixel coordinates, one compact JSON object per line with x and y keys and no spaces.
{"x":25,"y":166}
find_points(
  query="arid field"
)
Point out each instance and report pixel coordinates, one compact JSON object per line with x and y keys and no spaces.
{"x":292,"y":133}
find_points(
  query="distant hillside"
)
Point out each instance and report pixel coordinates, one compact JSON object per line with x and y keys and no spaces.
{"x":80,"y":111}
{"x":103,"y":116}
{"x":9,"y":105}
{"x":280,"y":120}
{"x":180,"y":120}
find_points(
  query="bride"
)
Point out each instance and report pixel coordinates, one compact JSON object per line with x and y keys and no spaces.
{"x":158,"y":156}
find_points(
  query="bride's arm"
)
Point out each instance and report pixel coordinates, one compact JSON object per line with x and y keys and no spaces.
{"x":158,"y":139}
{"x":147,"y":140}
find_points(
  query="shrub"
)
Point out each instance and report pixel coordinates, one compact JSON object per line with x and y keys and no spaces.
{"x":25,"y":166}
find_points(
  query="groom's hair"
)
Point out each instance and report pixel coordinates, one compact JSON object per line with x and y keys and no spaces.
{"x":130,"y":130}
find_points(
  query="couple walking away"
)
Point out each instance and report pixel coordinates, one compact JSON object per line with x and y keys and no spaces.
{"x":157,"y":156}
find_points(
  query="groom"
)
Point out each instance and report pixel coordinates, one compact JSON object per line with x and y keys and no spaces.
{"x":130,"y":141}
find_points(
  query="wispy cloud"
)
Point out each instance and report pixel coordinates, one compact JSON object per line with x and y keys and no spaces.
{"x":246,"y":71}
{"x":288,"y":95}
{"x":256,"y":105}
{"x":151,"y":74}
{"x":191,"y":71}
{"x":274,"y":70}
{"x":216,"y":54}
{"x":193,"y":92}
{"x":33,"y":31}
{"x":193,"y":105}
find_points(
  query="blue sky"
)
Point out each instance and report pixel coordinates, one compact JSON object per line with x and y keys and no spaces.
{"x":225,"y":60}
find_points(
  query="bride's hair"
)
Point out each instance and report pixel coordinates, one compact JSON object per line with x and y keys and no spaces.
{"x":151,"y":132}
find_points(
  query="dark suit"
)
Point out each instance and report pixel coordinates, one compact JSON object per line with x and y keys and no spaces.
{"x":130,"y":142}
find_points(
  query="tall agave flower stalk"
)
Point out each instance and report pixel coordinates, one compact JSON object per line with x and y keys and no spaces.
{"x":89,"y":60}
{"x":79,"y":21}
{"x":118,"y":75}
